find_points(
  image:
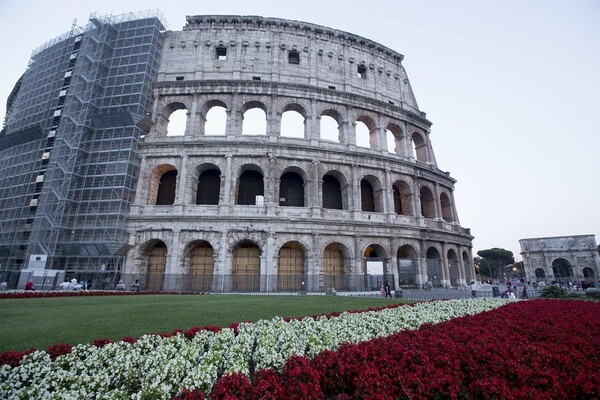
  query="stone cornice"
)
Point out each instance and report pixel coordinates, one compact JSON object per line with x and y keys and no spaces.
{"x":251,"y":83}
{"x":196,"y":21}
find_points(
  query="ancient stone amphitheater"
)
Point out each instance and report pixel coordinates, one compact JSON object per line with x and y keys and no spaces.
{"x":302,"y":163}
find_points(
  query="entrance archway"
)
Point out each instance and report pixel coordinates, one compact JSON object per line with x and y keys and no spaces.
{"x":561,"y":269}
{"x":453,"y":268}
{"x":407,"y":266}
{"x":157,"y":261}
{"x":290,"y":272}
{"x":201,"y":267}
{"x":333,"y":267}
{"x":246,"y":267}
{"x":434,"y":267}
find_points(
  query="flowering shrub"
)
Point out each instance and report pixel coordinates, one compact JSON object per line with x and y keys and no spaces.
{"x":525,"y":350}
{"x":156,"y":366}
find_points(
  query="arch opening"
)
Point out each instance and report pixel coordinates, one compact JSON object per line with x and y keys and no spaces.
{"x":292,"y":124}
{"x":216,"y":121}
{"x":250,"y":187}
{"x":291,"y":190}
{"x":290,"y":272}
{"x":246,"y":267}
{"x":254,"y":122}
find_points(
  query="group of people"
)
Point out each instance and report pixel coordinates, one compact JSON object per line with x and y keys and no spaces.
{"x":135,"y":286}
{"x":385,"y":290}
{"x":72,"y":284}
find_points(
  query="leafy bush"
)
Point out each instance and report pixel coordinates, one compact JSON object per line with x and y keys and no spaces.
{"x":554,"y":292}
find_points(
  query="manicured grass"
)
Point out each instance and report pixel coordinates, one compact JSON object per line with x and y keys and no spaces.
{"x":42,"y":322}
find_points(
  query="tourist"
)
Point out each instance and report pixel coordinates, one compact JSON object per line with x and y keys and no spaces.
{"x":382,"y":290}
{"x":64,"y":285}
{"x":29,"y":286}
{"x":474,"y":289}
{"x":120,"y":286}
{"x":135,"y":286}
{"x":3,"y":286}
{"x":388,"y":291}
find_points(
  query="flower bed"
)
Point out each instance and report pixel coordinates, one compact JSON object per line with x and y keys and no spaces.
{"x":159,"y":367}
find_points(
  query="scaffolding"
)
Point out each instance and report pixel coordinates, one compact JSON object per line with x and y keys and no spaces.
{"x":69,"y":154}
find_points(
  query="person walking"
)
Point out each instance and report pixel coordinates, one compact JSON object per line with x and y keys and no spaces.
{"x":474,"y":289}
{"x":388,"y":291}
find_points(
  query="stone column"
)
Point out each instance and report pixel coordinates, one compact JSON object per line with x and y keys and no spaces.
{"x":311,"y":123}
{"x":437,"y":203}
{"x":193,"y":126}
{"x":315,"y":201}
{"x":388,"y":193}
{"x":172,"y":270}
{"x":182,"y":182}
{"x":227,"y":198}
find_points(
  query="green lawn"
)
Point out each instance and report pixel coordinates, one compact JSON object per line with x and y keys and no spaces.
{"x":42,"y":322}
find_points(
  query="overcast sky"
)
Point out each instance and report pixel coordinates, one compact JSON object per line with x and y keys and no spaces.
{"x":512,"y":88}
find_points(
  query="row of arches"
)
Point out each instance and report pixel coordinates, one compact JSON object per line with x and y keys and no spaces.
{"x":248,"y":270}
{"x":562,"y":270}
{"x":292,"y":189}
{"x":293,"y":120}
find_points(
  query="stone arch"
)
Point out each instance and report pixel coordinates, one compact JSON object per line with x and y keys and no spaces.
{"x":335,"y":257}
{"x":453,"y":267}
{"x":199,"y":263}
{"x":371,"y":194}
{"x":419,"y":146}
{"x":366,"y":132}
{"x":162,"y":185}
{"x":446,"y":205}
{"x":334,"y":191}
{"x":330,"y":126}
{"x":245,"y":273}
{"x":291,"y":188}
{"x":540,"y":274}
{"x":214,"y":117}
{"x":403,"y":202}
{"x":162,"y":121}
{"x":467,"y":265}
{"x":250,"y":185}
{"x":394,"y":139}
{"x":427,"y":202}
{"x":373,"y":265}
{"x":293,"y":121}
{"x":434,"y":266}
{"x":588,"y":273}
{"x":291,"y":266}
{"x":206,"y":184}
{"x":562,"y":270}
{"x":154,"y":260}
{"x":254,"y":118}
{"x":408,"y":266}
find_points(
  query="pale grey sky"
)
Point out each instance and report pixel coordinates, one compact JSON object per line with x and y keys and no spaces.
{"x":511,"y":87}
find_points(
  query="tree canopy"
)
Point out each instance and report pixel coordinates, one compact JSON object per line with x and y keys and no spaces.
{"x":492,"y":261}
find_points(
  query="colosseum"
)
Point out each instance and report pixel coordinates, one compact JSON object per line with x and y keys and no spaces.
{"x":284,"y":156}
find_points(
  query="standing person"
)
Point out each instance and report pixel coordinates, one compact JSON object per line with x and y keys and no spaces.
{"x":382,"y":290}
{"x":29,"y":286}
{"x":388,"y":291}
{"x":3,"y":286}
{"x":64,"y":285}
{"x":474,"y":289}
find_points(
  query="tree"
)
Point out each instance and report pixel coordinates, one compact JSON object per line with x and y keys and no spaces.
{"x":493,"y":261}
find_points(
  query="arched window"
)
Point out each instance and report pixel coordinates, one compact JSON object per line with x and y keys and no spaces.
{"x":291,"y":190}
{"x":166,"y":188}
{"x":216,"y":121}
{"x":177,"y":123}
{"x":367,"y":198}
{"x":363,"y":136}
{"x":561,"y":269}
{"x":329,"y":128}
{"x":292,"y":124}
{"x":250,"y":186}
{"x":332,"y":193}
{"x":540,"y":274}
{"x":419,"y":147}
{"x":394,"y":138}
{"x":427,"y":203}
{"x":209,"y":187}
{"x":446,"y":207}
{"x":254,"y":122}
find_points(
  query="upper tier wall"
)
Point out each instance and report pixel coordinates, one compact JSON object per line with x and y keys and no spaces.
{"x":286,"y":51}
